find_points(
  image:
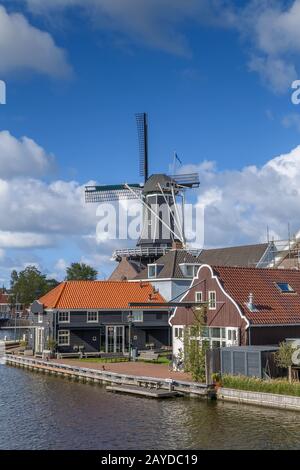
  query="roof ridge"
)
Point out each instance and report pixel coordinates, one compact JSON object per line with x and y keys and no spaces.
{"x":64,"y":283}
{"x":175,"y":254}
{"x":253,"y":268}
{"x":235,"y":246}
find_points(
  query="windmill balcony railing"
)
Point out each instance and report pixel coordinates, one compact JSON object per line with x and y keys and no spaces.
{"x":144,"y":251}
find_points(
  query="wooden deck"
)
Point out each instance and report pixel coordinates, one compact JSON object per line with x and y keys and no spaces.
{"x":142,"y":391}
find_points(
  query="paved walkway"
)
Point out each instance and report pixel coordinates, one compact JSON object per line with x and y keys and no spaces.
{"x":131,"y":368}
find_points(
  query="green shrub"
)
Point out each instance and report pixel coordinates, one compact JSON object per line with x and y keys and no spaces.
{"x":279,"y":386}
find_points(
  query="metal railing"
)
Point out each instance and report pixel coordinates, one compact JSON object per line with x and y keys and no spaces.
{"x":154,"y":251}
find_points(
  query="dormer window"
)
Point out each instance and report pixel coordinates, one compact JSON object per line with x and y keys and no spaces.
{"x":189,"y":269}
{"x":284,"y":287}
{"x":151,"y":270}
{"x":154,"y":270}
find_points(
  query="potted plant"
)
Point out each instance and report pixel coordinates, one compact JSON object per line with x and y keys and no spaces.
{"x":24,"y":344}
{"x":51,"y":346}
{"x":217,"y":381}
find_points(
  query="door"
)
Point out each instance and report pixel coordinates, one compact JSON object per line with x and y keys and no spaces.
{"x":115,"y":339}
{"x":39,"y":340}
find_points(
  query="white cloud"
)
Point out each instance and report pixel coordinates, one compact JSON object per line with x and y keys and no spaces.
{"x":272,"y":30}
{"x":61,"y":265}
{"x":240,"y":204}
{"x":157,"y":23}
{"x":35,"y":213}
{"x":22,"y":46}
{"x":54,"y":209}
{"x":269,"y":28}
{"x":24,"y":240}
{"x":275,"y":72}
{"x":22,"y":157}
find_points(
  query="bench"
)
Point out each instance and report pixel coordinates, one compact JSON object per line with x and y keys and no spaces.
{"x":92,"y":354}
{"x":66,"y":355}
{"x":148,"y":383}
{"x":148,"y":356}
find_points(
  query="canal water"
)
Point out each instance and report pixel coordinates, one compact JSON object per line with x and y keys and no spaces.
{"x":44,"y":412}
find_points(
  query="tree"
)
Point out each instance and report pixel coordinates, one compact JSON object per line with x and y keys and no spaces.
{"x":28,"y":285}
{"x":195,"y":347}
{"x":81,"y":272}
{"x":283,"y":357}
{"x":51,"y":283}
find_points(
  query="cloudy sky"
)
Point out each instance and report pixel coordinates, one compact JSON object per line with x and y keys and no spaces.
{"x":215,"y":78}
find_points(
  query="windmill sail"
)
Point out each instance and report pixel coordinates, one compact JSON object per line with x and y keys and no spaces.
{"x":142,"y":127}
{"x":109,"y":193}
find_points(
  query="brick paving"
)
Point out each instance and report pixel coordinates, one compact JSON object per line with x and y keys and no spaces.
{"x":160,"y":371}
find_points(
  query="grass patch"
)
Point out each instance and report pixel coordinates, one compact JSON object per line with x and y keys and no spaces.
{"x":104,"y":360}
{"x":279,"y":386}
{"x":160,"y":360}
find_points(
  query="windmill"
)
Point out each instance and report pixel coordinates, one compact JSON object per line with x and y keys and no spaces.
{"x":162,"y":197}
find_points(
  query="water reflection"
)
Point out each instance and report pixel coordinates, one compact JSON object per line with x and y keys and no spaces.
{"x":41,"y":412}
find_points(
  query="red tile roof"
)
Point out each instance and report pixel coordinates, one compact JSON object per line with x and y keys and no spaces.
{"x":99,"y":295}
{"x":273,"y":307}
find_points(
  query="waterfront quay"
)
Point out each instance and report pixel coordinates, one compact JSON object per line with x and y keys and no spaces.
{"x":101,"y":375}
{"x":149,"y":380}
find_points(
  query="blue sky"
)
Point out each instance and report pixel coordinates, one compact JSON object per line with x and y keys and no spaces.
{"x":215,"y":80}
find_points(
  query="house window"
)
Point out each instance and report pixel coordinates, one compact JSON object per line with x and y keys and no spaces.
{"x":189,"y":270}
{"x":92,"y":317}
{"x":217,"y":337}
{"x":284,"y":287}
{"x":212,"y":302}
{"x":151,"y":270}
{"x":137,"y":316}
{"x":198,"y":296}
{"x":63,"y":337}
{"x":40,"y":318}
{"x":178,"y":333}
{"x":63,"y":317}
{"x":232,"y":335}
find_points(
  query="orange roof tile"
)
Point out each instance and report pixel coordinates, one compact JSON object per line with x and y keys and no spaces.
{"x":110,"y":295}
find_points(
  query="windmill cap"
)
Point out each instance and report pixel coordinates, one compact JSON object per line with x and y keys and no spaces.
{"x":153,"y":182}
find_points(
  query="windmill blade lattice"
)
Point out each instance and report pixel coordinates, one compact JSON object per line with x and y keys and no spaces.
{"x":112,"y":193}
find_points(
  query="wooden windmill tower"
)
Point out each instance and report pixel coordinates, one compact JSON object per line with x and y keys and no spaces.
{"x":162,"y":197}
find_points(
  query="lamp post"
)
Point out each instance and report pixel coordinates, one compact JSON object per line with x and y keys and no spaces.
{"x":130,"y":321}
{"x":15,"y":333}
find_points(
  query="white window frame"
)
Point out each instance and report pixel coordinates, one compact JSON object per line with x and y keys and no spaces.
{"x":155,"y":271}
{"x":178,"y":332}
{"x":63,"y":333}
{"x":229,"y":335}
{"x":40,"y":318}
{"x":93,"y":312}
{"x":63,"y":313}
{"x":209,"y":300}
{"x":141,"y":319}
{"x":201,"y":296}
